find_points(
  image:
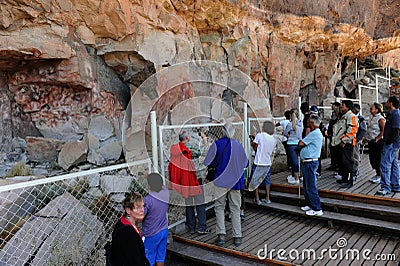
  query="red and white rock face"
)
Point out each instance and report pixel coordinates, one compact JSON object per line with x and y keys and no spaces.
{"x":61,"y":64}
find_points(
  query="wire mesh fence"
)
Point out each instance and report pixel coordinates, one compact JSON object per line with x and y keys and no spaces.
{"x":169,"y":135}
{"x":65,"y":220}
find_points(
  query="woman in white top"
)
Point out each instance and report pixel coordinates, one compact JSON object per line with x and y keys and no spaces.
{"x":375,"y":127}
{"x":293,"y":133}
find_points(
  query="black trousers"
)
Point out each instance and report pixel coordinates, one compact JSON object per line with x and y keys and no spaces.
{"x":335,"y":156}
{"x":375,"y":154}
{"x":346,"y":169}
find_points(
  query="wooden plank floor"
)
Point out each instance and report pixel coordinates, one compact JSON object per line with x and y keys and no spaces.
{"x":274,"y":230}
{"x":328,"y":183}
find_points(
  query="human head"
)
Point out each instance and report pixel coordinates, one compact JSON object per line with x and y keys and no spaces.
{"x":314,"y":121}
{"x":134,"y":206}
{"x":304,"y":107}
{"x":356,"y":108}
{"x":346,"y":106}
{"x":314,"y":109}
{"x":287,"y":114}
{"x":269,"y":127}
{"x":294,"y":114}
{"x":183,"y":136}
{"x":229,"y":130}
{"x":392,"y":101}
{"x":335,"y":106}
{"x":155,"y":182}
{"x":376,"y":108}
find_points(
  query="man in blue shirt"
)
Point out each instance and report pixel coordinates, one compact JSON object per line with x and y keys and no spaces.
{"x":311,"y":150}
{"x":389,"y":160}
{"x":229,"y":158}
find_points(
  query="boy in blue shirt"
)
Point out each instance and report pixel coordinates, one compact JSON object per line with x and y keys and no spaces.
{"x":155,"y":223}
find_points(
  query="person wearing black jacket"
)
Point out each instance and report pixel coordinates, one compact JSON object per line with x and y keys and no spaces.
{"x":127,"y":248}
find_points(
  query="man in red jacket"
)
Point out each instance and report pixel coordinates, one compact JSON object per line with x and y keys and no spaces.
{"x":183,"y":179}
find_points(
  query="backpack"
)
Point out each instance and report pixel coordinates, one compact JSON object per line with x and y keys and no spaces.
{"x":362,"y":128}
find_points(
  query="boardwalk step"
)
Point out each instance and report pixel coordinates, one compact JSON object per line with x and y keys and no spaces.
{"x":382,"y":212}
{"x":333,"y":217}
{"x":197,"y":255}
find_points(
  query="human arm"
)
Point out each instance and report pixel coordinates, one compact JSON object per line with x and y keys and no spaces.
{"x":382,"y":123}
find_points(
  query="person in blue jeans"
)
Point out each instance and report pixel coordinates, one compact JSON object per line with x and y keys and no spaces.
{"x":155,"y":223}
{"x":310,"y":152}
{"x":293,"y":132}
{"x":389,"y":161}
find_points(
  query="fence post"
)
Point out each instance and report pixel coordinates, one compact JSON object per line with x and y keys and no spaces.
{"x":154,"y":140}
{"x":246,"y":127}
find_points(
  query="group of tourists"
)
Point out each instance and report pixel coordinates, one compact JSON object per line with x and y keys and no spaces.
{"x":347,"y":131}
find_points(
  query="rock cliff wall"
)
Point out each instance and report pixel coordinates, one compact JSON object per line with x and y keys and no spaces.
{"x":68,"y":66}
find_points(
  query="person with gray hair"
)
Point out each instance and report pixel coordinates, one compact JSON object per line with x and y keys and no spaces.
{"x":263,"y":144}
{"x":229,"y":158}
{"x":310,"y":152}
{"x":183,"y":179}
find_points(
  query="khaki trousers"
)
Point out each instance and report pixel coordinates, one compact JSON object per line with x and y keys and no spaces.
{"x":234,"y":198}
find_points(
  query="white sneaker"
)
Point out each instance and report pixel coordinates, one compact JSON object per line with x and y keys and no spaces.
{"x":258,"y":202}
{"x":294,"y":182}
{"x":338,"y":177}
{"x":305,"y":208}
{"x":314,"y":213}
{"x":289,"y":177}
{"x":375,"y":179}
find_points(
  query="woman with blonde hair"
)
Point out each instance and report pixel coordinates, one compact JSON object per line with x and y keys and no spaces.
{"x":293,"y":132}
{"x":127,"y":246}
{"x":374,"y":137}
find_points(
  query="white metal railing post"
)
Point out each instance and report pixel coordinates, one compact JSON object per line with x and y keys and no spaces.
{"x":154,"y":140}
{"x":162,"y":164}
{"x":356,"y":72}
{"x":301,"y":116}
{"x":245,"y":127}
{"x":359,"y":97}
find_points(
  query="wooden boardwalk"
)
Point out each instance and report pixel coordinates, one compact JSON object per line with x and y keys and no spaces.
{"x":297,"y":235}
{"x":327,"y":183}
{"x":333,"y":239}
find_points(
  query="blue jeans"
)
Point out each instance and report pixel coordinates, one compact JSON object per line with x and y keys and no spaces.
{"x":390,"y":168}
{"x":294,"y":160}
{"x":198,"y":203}
{"x":309,"y":170}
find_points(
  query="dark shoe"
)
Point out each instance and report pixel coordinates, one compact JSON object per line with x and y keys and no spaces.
{"x":346,"y":185}
{"x":220,"y":240}
{"x":204,"y":232}
{"x":331,"y":168}
{"x":228,"y":217}
{"x":341,"y":181}
{"x":237,"y":241}
{"x":242,"y":217}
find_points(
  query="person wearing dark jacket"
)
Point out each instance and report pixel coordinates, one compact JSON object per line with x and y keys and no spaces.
{"x":127,"y":248}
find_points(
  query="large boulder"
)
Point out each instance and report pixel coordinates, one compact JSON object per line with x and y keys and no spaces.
{"x":72,"y":153}
{"x":42,"y":149}
{"x":63,"y":232}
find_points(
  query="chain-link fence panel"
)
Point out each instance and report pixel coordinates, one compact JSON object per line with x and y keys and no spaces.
{"x":383,"y":84}
{"x":169,"y":136}
{"x":64,"y":220}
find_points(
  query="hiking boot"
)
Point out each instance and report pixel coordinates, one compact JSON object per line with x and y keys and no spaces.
{"x":220,"y":240}
{"x":237,"y":241}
